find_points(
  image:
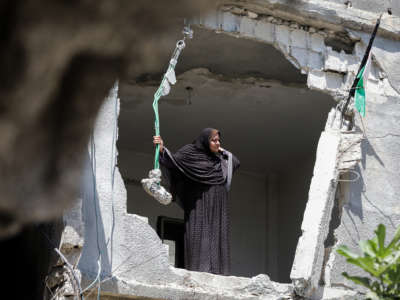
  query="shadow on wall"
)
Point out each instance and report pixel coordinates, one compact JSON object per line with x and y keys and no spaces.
{"x":95,"y":241}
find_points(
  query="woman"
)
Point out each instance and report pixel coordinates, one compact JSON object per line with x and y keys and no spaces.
{"x":199,"y":176}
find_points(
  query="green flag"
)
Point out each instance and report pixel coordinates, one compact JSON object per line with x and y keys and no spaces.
{"x":357,"y":89}
{"x":360,"y":91}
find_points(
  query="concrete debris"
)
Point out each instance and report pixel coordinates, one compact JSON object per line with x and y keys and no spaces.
{"x":261,"y":285}
{"x":252,"y":15}
{"x":350,"y":150}
{"x":329,"y":293}
{"x":307,"y":265}
{"x":56,"y":277}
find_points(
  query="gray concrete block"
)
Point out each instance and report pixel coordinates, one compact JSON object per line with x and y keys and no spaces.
{"x":230,"y":22}
{"x":247,"y":27}
{"x":299,"y":38}
{"x":316,"y":80}
{"x":282,"y":37}
{"x":317,"y":43}
{"x":300,"y":55}
{"x":264,"y":31}
{"x":315,"y":60}
{"x":334,"y":81}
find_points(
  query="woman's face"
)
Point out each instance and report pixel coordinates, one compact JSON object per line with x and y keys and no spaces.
{"x":214,"y":142}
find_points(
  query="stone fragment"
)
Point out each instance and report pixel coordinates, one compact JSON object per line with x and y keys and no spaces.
{"x":226,"y":8}
{"x":316,"y":80}
{"x":340,"y":62}
{"x":260,"y":285}
{"x":334,"y":81}
{"x":238,"y":11}
{"x":252,"y":15}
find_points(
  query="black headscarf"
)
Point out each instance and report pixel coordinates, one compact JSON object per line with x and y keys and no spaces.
{"x":194,"y":162}
{"x":197,"y":161}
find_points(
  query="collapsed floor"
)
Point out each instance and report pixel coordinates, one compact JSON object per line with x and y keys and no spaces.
{"x":267,"y":117}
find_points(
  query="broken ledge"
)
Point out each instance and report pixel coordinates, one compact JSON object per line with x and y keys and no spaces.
{"x":197,"y":285}
{"x":322,"y":14}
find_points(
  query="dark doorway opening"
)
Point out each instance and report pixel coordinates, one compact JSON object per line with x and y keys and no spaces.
{"x":172,"y":230}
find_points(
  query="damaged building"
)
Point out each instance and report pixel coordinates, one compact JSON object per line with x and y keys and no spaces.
{"x":272,"y":76}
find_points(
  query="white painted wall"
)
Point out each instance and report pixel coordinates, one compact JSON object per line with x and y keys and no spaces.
{"x":294,"y":185}
{"x":248,"y":217}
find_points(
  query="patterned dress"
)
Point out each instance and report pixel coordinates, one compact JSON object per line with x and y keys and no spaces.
{"x":206,"y":216}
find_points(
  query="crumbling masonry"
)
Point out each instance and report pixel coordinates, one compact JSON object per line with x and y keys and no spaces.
{"x":326,"y":41}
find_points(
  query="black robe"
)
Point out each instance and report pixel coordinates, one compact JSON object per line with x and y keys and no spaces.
{"x":197,"y":179}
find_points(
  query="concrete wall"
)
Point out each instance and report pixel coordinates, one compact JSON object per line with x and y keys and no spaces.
{"x":247,"y":207}
{"x":369,"y":201}
{"x":377,"y":6}
{"x":374,"y":198}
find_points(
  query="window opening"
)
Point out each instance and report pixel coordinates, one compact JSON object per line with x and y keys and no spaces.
{"x":268,"y":119}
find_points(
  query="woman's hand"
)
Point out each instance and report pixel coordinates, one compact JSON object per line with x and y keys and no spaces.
{"x":158,"y":140}
{"x":221,"y":150}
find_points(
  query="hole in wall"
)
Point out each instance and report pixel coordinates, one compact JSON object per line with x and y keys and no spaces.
{"x":268,"y":119}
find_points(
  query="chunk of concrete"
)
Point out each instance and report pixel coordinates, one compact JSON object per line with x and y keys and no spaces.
{"x":298,"y":38}
{"x":300,"y":55}
{"x":307,"y":265}
{"x":315,"y":61}
{"x":338,"y":62}
{"x":282,"y":37}
{"x":229,"y":22}
{"x":247,"y":27}
{"x":317,"y":43}
{"x":316,"y":80}
{"x":264,"y":31}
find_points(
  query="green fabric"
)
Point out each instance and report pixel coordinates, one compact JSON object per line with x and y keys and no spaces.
{"x":157,"y":96}
{"x":360,"y":93}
